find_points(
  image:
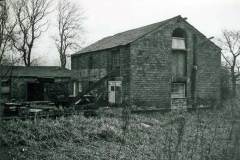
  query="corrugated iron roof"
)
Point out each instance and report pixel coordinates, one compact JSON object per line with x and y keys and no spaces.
{"x":35,"y":71}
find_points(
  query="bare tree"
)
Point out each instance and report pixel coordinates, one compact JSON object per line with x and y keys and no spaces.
{"x":69,"y":22}
{"x":6,"y":30}
{"x":231,"y":53}
{"x":31,"y":21}
{"x":2,"y":12}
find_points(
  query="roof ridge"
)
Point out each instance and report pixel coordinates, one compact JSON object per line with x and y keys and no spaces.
{"x":146,"y":25}
{"x":161,"y":24}
{"x":123,"y":38}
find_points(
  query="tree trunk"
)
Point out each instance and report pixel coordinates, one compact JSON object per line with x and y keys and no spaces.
{"x":234,"y":86}
{"x":63,"y":61}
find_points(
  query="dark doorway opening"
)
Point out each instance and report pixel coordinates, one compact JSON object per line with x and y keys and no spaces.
{"x":35,"y":92}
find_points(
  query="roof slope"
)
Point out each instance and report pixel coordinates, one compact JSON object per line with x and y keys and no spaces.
{"x":35,"y":71}
{"x":123,"y":38}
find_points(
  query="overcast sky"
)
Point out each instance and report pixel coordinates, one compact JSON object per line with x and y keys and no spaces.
{"x":108,"y":17}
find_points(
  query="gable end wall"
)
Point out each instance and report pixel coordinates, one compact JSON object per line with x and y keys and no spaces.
{"x":151,"y":67}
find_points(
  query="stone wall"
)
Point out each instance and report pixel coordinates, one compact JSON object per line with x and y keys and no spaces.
{"x":208,"y":73}
{"x":151,"y":60}
{"x":146,"y":66}
{"x":150,"y":70}
{"x":101,"y":66}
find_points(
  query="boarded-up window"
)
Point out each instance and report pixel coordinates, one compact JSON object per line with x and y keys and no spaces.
{"x":178,"y":43}
{"x":116,"y":59}
{"x":115,"y":62}
{"x":178,"y":90}
{"x":178,"y":64}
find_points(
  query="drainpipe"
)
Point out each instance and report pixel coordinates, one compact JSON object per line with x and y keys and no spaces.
{"x":194,"y":73}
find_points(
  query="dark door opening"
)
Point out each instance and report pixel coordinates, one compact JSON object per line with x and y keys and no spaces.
{"x":35,"y":92}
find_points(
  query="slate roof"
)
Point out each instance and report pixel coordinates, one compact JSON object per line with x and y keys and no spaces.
{"x":35,"y":71}
{"x":123,"y":38}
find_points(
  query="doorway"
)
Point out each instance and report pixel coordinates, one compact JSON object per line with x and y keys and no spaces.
{"x":35,"y":92}
{"x":115,"y":92}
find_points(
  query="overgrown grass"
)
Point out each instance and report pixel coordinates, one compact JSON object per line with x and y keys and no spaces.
{"x":175,"y":135}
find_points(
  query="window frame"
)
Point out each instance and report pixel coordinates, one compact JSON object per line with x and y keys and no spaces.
{"x":176,"y":41}
{"x":90,"y":62}
{"x":178,"y":95}
{"x":115,"y":62}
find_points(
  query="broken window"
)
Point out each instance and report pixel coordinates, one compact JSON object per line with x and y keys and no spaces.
{"x":115,"y":62}
{"x":179,"y":57}
{"x":178,"y":90}
{"x":178,"y":39}
{"x":116,"y":58}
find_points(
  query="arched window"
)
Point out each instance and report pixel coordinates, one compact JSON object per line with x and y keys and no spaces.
{"x":179,"y":57}
{"x":179,"y":33}
{"x":178,"y":39}
{"x":178,"y":63}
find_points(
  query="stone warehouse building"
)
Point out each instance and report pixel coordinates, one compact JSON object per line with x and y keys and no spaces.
{"x":164,"y":64}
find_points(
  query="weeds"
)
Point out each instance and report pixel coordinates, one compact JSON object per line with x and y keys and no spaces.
{"x":202,"y":135}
